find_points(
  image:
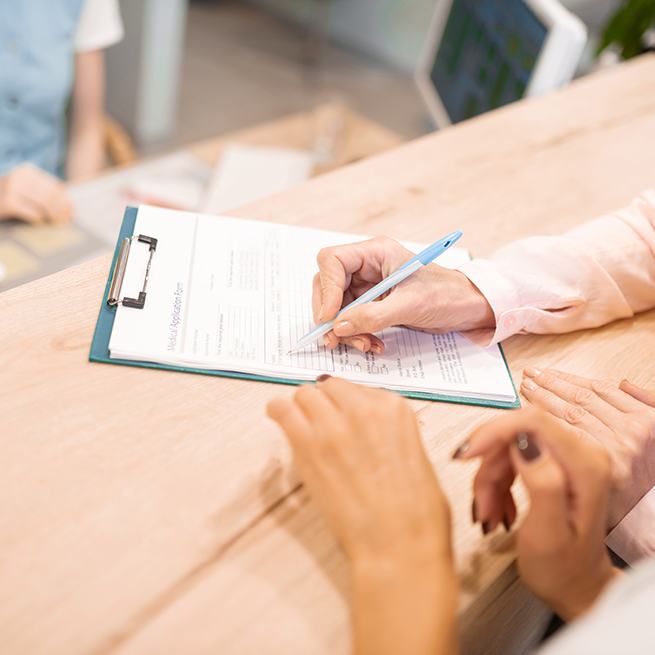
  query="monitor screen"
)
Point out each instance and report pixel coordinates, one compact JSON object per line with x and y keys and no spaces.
{"x":486,"y":56}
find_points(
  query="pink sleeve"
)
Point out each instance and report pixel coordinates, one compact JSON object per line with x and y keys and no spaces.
{"x":589,"y":276}
{"x":598,"y":272}
{"x":634,"y":537}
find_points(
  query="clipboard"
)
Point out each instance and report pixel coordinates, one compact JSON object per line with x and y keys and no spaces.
{"x":112,"y":297}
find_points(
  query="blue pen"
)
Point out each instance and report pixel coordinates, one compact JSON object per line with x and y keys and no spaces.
{"x":423,"y":258}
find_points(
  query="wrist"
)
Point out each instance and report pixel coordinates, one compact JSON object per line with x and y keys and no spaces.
{"x":391,"y":594}
{"x":387,"y":566}
{"x":585,"y":594}
{"x":464,"y":302}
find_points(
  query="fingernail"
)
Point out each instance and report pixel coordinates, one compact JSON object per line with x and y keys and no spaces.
{"x":461,"y":450}
{"x":527,"y":445}
{"x":486,"y":528}
{"x":323,"y":377}
{"x":360,"y":344}
{"x":326,"y":341}
{"x":532,"y":372}
{"x":343,"y":328}
{"x":376,"y":348}
{"x":474,"y":512}
{"x":506,"y":523}
{"x":528,"y":384}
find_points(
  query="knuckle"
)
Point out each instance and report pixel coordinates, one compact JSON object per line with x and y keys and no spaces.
{"x":382,"y":241}
{"x":325,"y":254}
{"x":574,"y":414}
{"x":583,"y":396}
{"x":603,"y":386}
{"x":546,"y":380}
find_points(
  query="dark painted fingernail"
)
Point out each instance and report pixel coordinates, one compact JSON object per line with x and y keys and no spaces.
{"x":486,"y":528}
{"x":323,"y":377}
{"x":527,"y":445}
{"x":461,"y":450}
{"x":507,"y":523}
{"x":474,"y":512}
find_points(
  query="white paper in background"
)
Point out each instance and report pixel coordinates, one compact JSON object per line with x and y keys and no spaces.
{"x":178,"y":180}
{"x":247,"y":173}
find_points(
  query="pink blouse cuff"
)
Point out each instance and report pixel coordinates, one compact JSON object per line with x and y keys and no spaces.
{"x":501,"y":294}
{"x":634,"y":537}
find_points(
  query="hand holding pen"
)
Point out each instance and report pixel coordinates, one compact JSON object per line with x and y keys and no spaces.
{"x":432,"y":299}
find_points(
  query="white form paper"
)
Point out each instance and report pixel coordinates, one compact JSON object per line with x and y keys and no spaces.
{"x":235,"y":294}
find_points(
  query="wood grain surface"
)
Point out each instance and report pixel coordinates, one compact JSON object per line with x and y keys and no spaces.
{"x":154,"y":512}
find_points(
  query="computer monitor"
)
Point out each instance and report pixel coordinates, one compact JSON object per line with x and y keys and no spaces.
{"x":481,"y":55}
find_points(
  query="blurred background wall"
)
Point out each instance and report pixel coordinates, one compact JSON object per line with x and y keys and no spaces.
{"x":190,"y":69}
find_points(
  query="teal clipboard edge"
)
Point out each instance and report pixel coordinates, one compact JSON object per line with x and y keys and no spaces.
{"x":100,"y":345}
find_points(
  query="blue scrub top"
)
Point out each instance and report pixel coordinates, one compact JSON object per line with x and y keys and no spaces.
{"x":36,"y":77}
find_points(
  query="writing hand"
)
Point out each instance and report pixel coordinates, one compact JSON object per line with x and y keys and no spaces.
{"x":433,"y":299}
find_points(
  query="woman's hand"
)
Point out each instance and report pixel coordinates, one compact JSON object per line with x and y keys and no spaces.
{"x":434,"y":299}
{"x":31,"y":194}
{"x":561,"y":551}
{"x":360,"y":454}
{"x":619,"y":416}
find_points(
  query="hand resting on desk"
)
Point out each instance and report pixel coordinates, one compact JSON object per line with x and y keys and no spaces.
{"x":30,"y":194}
{"x":359,"y":452}
{"x":620,"y":416}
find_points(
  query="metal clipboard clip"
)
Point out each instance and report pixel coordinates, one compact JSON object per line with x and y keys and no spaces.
{"x":119,"y":273}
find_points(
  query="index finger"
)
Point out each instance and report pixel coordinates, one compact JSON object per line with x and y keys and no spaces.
{"x":335,"y":268}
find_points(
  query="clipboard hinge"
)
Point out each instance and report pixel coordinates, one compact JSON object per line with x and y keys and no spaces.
{"x":119,"y":273}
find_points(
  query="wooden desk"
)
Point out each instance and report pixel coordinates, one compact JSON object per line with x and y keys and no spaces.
{"x":155,"y":512}
{"x":358,"y":138}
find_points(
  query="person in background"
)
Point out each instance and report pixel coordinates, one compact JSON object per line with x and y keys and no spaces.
{"x":598,"y":272}
{"x":359,"y":452}
{"x":51,"y":101}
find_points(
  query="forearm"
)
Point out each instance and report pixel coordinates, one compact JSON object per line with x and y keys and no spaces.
{"x":86,"y":154}
{"x":596,"y":273}
{"x":404,"y":607}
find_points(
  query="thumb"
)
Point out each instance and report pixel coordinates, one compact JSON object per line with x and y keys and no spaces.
{"x":547,"y":522}
{"x":643,"y":395}
{"x":370,"y":317}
